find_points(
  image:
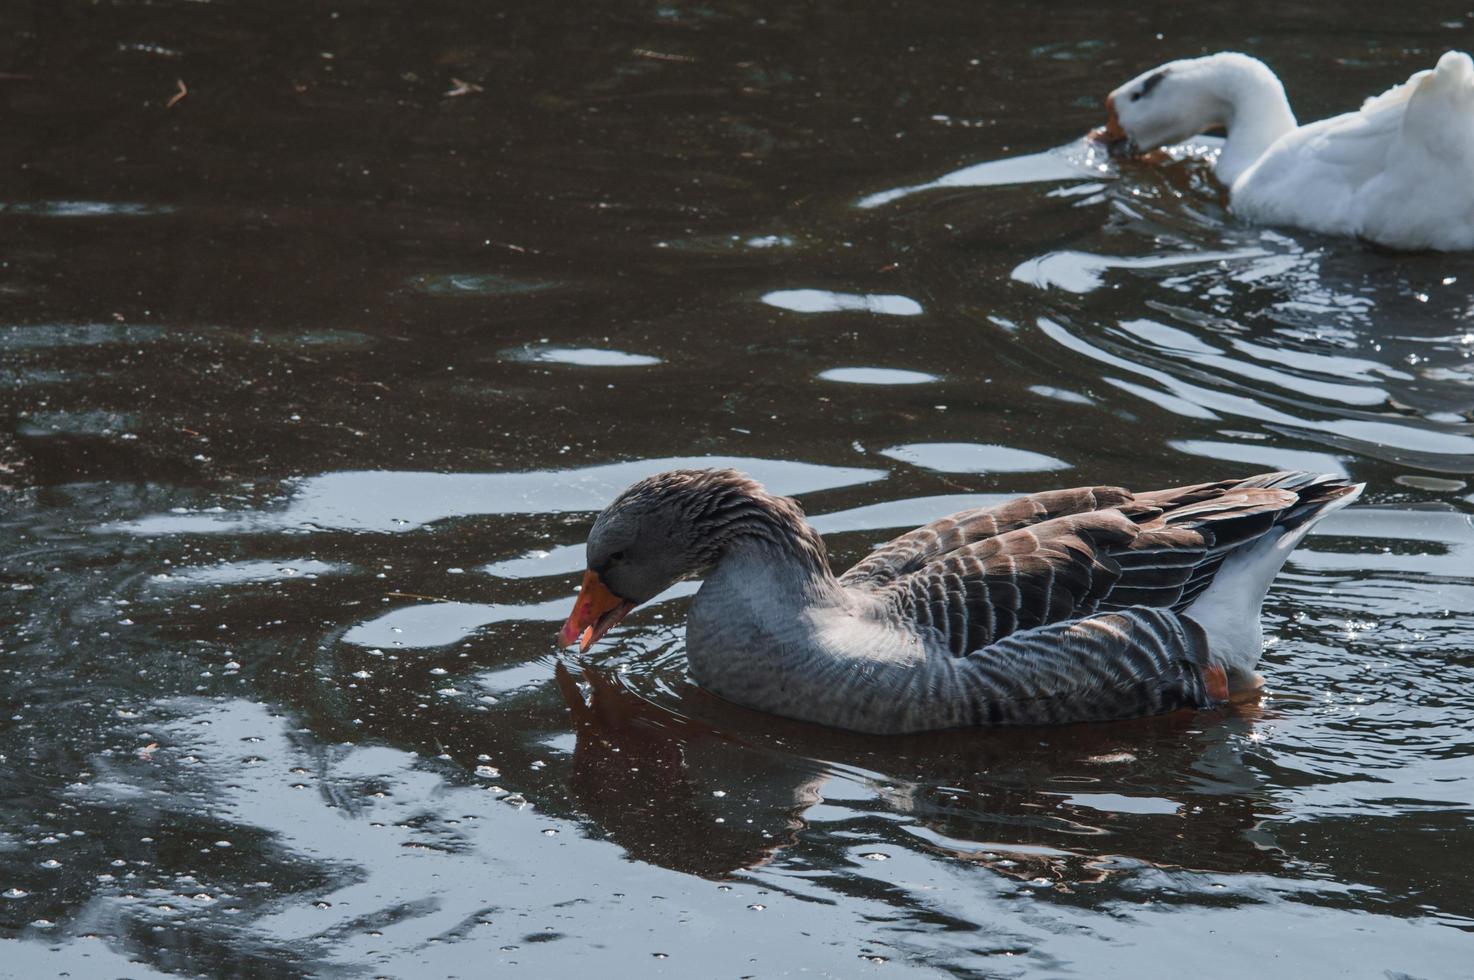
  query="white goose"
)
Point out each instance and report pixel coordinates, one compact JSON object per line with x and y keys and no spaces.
{"x":1070,"y":605}
{"x":1398,"y":172}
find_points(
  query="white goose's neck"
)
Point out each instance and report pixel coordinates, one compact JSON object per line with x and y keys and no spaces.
{"x":1256,"y":113}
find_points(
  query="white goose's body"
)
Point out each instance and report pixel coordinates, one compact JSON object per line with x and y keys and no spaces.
{"x":1073,"y":605}
{"x":1398,"y":172}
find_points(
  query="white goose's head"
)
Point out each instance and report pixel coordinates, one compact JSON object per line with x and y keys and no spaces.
{"x":1180,"y":100}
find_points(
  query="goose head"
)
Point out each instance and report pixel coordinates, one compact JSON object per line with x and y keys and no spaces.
{"x":1174,"y":102}
{"x":661,"y":530}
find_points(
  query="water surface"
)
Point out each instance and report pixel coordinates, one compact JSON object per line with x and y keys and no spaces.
{"x":312,"y":382}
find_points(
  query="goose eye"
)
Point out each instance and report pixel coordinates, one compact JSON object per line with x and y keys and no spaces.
{"x":617,"y":556}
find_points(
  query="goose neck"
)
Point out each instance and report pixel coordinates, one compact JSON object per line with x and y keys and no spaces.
{"x":1257,"y":113}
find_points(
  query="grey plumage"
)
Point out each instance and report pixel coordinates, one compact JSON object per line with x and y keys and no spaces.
{"x":1070,"y":605}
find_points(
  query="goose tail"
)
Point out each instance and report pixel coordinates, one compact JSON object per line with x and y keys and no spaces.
{"x":1228,"y":610}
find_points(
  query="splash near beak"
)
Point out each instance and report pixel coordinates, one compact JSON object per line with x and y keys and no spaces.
{"x":594,"y":613}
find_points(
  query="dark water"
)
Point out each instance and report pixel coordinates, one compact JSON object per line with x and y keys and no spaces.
{"x":310,"y":383}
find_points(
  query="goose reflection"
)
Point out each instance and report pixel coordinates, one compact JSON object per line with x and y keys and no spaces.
{"x":710,"y":788}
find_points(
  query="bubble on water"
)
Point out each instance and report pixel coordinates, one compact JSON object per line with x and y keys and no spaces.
{"x":15,"y":893}
{"x":875,"y":856}
{"x":757,"y":906}
{"x":51,"y":864}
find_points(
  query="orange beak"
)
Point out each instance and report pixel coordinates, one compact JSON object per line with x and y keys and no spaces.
{"x":1111,"y":132}
{"x":595,"y":611}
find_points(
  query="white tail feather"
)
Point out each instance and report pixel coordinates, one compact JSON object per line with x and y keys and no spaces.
{"x":1229,"y":609}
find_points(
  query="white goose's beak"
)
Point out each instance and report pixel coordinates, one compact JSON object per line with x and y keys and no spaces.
{"x":1112,"y":135}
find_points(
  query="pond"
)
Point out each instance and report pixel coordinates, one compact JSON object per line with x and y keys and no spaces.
{"x":326,"y":329}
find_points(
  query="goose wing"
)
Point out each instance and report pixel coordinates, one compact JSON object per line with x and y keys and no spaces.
{"x":956,"y":532}
{"x":1395,"y":171}
{"x":1157,"y":550}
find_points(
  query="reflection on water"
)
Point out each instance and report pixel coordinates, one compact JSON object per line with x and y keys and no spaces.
{"x":1074,"y":162}
{"x":820,"y":301}
{"x":83,"y":209}
{"x":1442,"y":448}
{"x":877,"y":376}
{"x":389,"y":501}
{"x":480,"y":284}
{"x":964,"y":457}
{"x":1081,"y":272}
{"x":313,"y":382}
{"x":585,"y":357}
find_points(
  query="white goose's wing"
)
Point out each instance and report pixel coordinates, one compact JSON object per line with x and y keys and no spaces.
{"x":1398,"y":172}
{"x":1425,"y":197}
